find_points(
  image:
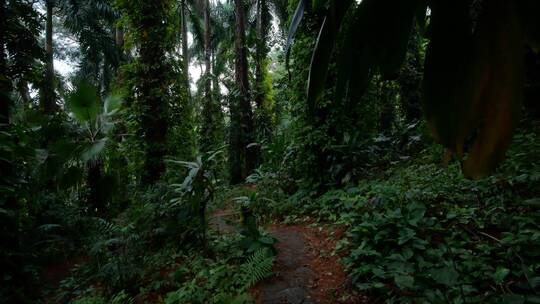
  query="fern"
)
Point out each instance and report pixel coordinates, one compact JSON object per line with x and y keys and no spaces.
{"x":257,"y":267}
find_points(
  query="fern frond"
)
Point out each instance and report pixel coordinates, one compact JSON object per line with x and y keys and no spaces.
{"x":257,"y":267}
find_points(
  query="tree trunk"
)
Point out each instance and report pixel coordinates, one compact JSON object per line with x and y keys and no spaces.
{"x":22,"y":87}
{"x":185,"y":52}
{"x":119,"y":37}
{"x":5,"y":85}
{"x":48,"y":98}
{"x":215,"y":82}
{"x":208,"y":127}
{"x":218,"y":110}
{"x":242,"y":160}
{"x":153,"y":87}
{"x":262,"y":117}
{"x":96,"y":202}
{"x":10,"y":255}
{"x":259,"y":55}
{"x":207,"y":51}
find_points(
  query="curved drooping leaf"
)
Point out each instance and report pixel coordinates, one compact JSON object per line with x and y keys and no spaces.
{"x":324,"y":47}
{"x":371,"y":44}
{"x":451,"y":74}
{"x":501,"y":43}
{"x":83,"y":102}
{"x":297,"y":17}
{"x":473,"y":80}
{"x":393,"y":35}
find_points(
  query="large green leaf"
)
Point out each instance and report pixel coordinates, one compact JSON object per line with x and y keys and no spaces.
{"x":94,"y":150}
{"x":446,"y":276}
{"x":112,"y":104}
{"x":84,"y":102}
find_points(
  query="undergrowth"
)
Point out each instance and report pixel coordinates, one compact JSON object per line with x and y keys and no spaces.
{"x":156,"y":252}
{"x":424,"y":234}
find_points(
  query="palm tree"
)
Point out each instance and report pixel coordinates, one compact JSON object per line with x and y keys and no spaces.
{"x":96,"y":123}
{"x":93,"y":22}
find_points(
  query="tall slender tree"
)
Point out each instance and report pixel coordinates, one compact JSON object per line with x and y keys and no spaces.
{"x":48,"y":98}
{"x":4,"y":82}
{"x":263,"y":124}
{"x":208,"y":119}
{"x":242,"y":159}
{"x":184,"y":41}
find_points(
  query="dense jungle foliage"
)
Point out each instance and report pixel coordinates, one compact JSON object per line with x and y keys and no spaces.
{"x":148,"y":149}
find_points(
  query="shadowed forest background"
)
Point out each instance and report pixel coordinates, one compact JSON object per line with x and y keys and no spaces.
{"x":269,"y":151}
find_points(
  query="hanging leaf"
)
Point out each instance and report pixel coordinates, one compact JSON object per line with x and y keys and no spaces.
{"x":501,"y":43}
{"x":370,"y":44}
{"x":473,"y":81}
{"x":297,"y":17}
{"x":83,"y":102}
{"x":394,"y":35}
{"x":451,"y":76}
{"x":323,"y":50}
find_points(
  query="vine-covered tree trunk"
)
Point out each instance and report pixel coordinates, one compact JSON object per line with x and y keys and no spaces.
{"x":185,"y":51}
{"x":148,"y":21}
{"x":48,"y":97}
{"x":260,"y":53}
{"x":5,"y":85}
{"x":218,"y":110}
{"x":242,"y":159}
{"x":10,"y":258}
{"x":262,"y":117}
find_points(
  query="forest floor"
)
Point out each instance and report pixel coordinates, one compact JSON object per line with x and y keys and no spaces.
{"x":306,"y":270}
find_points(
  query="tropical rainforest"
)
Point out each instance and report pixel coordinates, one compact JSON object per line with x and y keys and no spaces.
{"x":269,"y":151}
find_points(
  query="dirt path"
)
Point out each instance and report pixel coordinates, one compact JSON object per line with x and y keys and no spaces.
{"x":305,"y":270}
